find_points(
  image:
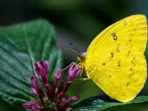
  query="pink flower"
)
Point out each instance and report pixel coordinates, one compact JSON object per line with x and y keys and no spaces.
{"x":53,"y":96}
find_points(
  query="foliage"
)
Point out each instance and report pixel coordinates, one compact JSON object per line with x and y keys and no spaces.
{"x":21,"y":46}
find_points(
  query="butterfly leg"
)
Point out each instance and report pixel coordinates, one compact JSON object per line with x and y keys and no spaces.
{"x":81,"y":80}
{"x":84,"y":79}
{"x":68,"y":66}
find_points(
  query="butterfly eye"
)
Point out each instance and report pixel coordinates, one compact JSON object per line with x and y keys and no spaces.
{"x":82,"y":56}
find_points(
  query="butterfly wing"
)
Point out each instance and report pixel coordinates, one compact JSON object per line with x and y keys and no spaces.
{"x":115,"y":59}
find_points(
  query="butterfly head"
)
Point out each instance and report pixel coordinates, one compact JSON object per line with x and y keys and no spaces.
{"x":81,"y":57}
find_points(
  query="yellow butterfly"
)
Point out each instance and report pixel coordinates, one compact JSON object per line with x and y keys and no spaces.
{"x":115,"y":59}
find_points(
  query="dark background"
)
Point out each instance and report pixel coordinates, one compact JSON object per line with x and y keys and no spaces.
{"x":76,"y":21}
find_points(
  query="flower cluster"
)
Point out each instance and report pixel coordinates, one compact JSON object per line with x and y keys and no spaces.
{"x":52,"y":97}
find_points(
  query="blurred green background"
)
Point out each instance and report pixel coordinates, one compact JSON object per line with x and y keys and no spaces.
{"x":76,"y":21}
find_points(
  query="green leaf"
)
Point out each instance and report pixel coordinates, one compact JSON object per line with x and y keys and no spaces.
{"x":21,"y":46}
{"x":99,"y":103}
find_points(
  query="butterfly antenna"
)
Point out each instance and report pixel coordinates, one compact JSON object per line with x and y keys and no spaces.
{"x":78,"y":52}
{"x":68,"y":49}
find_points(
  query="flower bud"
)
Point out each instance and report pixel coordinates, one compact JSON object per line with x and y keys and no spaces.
{"x":57,"y":76}
{"x":64,"y":103}
{"x":59,"y":95}
{"x":45,"y":65}
{"x":34,"y":91}
{"x":42,"y":68}
{"x":68,"y":101}
{"x":78,"y":72}
{"x":35,"y":82}
{"x":27,"y":105}
{"x":71,"y":72}
{"x":49,"y":91}
{"x":34,"y":102}
{"x":74,"y":98}
{"x":36,"y":85}
{"x":69,"y":109}
{"x":74,"y":71}
{"x":61,"y":87}
{"x":35,"y":108}
{"x":72,"y":67}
